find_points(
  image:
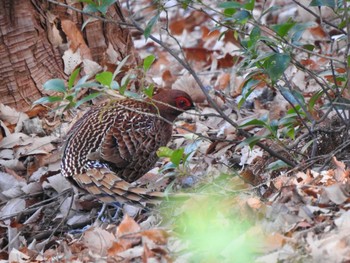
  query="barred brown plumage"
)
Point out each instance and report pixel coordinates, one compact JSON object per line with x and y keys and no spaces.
{"x":114,"y":144}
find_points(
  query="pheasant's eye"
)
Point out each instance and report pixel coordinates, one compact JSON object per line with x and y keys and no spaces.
{"x":183,"y":103}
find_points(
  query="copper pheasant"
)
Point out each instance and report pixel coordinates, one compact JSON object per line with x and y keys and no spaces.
{"x":114,"y":144}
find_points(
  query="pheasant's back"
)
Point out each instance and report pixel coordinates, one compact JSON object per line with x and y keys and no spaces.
{"x":122,"y":136}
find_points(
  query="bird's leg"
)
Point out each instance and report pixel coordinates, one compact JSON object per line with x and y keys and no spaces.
{"x":79,"y":231}
{"x":118,"y":213}
{"x":104,"y":211}
{"x":101,"y":212}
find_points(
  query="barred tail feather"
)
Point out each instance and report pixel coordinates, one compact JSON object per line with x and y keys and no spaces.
{"x":108,"y":187}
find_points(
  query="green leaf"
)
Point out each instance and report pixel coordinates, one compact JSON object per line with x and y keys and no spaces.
{"x":228,"y":12}
{"x":315,"y":98}
{"x":276,"y":64}
{"x":258,"y":61}
{"x":55,"y":85}
{"x":292,"y":96}
{"x":273,"y":127}
{"x":192,"y":147}
{"x":149,"y":90}
{"x":292,"y":111}
{"x":306,"y":146}
{"x":115,"y":85}
{"x":87,"y":98}
{"x":109,"y":2}
{"x":105,"y":4}
{"x":164,"y":152}
{"x":290,"y":132}
{"x":101,"y":6}
{"x":90,"y":8}
{"x":297,"y":31}
{"x":73,"y":77}
{"x":241,"y":16}
{"x":87,"y":85}
{"x":270,"y":10}
{"x":288,"y":120}
{"x":309,"y":47}
{"x":87,"y":21}
{"x":276,"y":165}
{"x":255,"y":35}
{"x":247,"y":89}
{"x":124,"y":84}
{"x":282,"y":29}
{"x":248,"y":85}
{"x":254,"y":122}
{"x":120,"y":66}
{"x":250,"y":5}
{"x":49,"y":99}
{"x":329,"y":3}
{"x":251,"y":141}
{"x":148,"y":61}
{"x":69,"y":105}
{"x":103,"y":9}
{"x":341,"y":25}
{"x":70,"y":98}
{"x":133,"y":95}
{"x":185,"y":3}
{"x":105,"y":78}
{"x":82,"y":81}
{"x":167,"y":167}
{"x":233,"y":5}
{"x":150,"y":25}
{"x":177,"y":155}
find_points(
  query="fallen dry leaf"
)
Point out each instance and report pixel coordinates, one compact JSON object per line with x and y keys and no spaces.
{"x":98,"y":240}
{"x":254,"y":203}
{"x":127,"y":232}
{"x":15,"y":139}
{"x":336,"y":193}
{"x":158,"y":236}
{"x":76,"y":38}
{"x":340,"y":172}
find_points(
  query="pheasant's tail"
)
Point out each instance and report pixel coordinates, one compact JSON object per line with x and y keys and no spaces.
{"x":108,"y":187}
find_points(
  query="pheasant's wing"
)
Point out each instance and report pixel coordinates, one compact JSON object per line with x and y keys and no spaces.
{"x":124,"y":138}
{"x":108,"y":187}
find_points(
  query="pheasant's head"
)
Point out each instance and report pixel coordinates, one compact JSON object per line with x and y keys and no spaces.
{"x":171,"y":103}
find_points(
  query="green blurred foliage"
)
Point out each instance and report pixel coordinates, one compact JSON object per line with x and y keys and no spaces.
{"x":214,"y":225}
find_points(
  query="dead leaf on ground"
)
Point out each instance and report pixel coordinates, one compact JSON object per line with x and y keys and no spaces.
{"x":98,"y":240}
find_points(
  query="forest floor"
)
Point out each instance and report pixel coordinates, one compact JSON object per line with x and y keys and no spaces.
{"x":241,"y":209}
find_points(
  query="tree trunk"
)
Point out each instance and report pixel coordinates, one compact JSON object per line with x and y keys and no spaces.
{"x":40,"y":41}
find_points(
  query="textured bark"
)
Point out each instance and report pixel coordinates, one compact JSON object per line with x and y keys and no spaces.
{"x":27,"y":59}
{"x":32,"y":44}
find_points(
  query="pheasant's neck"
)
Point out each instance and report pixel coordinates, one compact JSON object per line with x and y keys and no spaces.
{"x":166,"y":112}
